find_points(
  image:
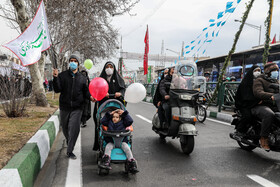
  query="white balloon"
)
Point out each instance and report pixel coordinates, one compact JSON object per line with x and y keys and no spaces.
{"x":135,"y":93}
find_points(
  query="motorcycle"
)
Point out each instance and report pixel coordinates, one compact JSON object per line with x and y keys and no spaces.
{"x":183,"y":96}
{"x":250,"y":140}
{"x":200,"y":108}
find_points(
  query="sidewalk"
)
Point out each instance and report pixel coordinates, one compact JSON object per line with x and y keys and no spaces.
{"x":224,"y":115}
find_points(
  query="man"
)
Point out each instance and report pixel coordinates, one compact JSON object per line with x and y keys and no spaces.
{"x":164,"y":88}
{"x":73,"y":90}
{"x":265,"y":109}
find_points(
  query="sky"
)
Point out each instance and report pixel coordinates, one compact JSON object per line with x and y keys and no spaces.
{"x":177,"y":21}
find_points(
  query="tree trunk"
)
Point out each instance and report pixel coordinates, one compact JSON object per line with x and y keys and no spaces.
{"x":37,"y":78}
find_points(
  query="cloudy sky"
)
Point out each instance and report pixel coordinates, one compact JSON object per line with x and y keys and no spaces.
{"x":175,"y":21}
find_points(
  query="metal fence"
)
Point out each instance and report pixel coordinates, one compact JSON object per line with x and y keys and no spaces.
{"x":224,"y":100}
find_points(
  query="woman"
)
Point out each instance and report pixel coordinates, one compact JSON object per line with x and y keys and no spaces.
{"x":116,"y":87}
{"x":245,"y":99}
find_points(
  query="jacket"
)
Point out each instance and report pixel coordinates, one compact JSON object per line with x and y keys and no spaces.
{"x":73,"y":90}
{"x":164,"y":87}
{"x":125,"y":121}
{"x":262,"y":89}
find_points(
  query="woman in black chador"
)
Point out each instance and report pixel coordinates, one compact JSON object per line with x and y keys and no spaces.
{"x":116,"y":87}
{"x":245,"y":99}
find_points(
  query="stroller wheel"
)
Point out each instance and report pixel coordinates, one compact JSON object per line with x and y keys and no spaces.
{"x":126,"y":169}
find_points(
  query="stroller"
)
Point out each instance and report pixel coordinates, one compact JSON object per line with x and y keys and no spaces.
{"x":117,"y":155}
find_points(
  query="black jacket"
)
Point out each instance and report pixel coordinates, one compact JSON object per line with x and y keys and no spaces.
{"x":164,"y":87}
{"x":73,"y":90}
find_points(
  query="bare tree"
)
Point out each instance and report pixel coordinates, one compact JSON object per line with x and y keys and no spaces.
{"x":74,"y":25}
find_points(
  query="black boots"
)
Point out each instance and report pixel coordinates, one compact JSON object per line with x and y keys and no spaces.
{"x":105,"y":162}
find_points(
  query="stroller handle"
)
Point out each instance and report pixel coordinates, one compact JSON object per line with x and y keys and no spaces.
{"x":117,"y":133}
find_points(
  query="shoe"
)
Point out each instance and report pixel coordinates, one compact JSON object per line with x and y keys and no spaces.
{"x":264,"y":143}
{"x":105,"y":162}
{"x":132,"y":166}
{"x":71,"y":155}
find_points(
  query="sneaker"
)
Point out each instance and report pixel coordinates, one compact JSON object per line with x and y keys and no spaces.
{"x":105,"y":162}
{"x":71,"y":155}
{"x":132,"y":166}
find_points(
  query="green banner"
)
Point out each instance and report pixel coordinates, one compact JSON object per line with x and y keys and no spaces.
{"x":149,"y":74}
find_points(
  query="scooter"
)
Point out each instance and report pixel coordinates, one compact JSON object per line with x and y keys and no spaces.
{"x":183,"y":96}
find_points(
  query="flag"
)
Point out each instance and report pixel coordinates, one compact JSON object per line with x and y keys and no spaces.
{"x":145,"y":63}
{"x":34,"y":40}
{"x":274,"y":39}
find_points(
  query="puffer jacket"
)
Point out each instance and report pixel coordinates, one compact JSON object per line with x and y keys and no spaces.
{"x":73,"y":90}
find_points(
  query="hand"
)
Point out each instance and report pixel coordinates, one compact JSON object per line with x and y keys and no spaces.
{"x":120,"y":111}
{"x":158,"y":104}
{"x":92,"y":99}
{"x":107,"y":95}
{"x":55,"y":72}
{"x":166,"y":97}
{"x":272,"y":98}
{"x":118,"y":94}
{"x":260,"y":102}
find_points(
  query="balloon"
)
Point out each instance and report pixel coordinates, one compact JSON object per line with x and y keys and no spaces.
{"x":98,"y":88}
{"x":135,"y":93}
{"x":88,"y":63}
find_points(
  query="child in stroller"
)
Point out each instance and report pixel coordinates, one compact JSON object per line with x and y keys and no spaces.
{"x":117,"y":124}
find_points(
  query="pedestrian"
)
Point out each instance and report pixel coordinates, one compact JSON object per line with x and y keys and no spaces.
{"x":87,"y":106}
{"x":73,"y":89}
{"x":116,"y":87}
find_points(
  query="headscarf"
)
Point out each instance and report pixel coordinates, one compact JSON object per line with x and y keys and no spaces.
{"x":116,"y":82}
{"x":244,"y":96}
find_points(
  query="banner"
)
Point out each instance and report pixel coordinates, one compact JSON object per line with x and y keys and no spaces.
{"x":145,"y":63}
{"x":34,"y":40}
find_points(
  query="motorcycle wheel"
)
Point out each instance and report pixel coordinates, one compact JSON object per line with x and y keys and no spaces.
{"x":201,"y":114}
{"x":187,"y":143}
{"x":245,"y":146}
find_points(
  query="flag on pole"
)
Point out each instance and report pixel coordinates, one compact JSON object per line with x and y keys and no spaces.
{"x":274,"y":39}
{"x":34,"y":40}
{"x":146,"y":40}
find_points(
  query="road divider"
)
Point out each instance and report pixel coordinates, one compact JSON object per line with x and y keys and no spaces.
{"x":25,"y":165}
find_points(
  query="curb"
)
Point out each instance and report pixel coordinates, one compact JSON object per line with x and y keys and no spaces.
{"x":24,"y":166}
{"x":220,"y":116}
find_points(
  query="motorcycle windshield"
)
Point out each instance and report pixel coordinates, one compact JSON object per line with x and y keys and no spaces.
{"x":185,"y":77}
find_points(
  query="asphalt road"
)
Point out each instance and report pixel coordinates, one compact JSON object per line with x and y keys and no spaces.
{"x":216,"y":160}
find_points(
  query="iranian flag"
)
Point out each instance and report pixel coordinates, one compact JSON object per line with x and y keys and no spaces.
{"x":145,"y":63}
{"x":34,"y":40}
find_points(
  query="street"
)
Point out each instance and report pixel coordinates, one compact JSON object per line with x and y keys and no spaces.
{"x":216,"y":160}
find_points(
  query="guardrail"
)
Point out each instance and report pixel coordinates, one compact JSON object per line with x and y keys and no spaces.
{"x":224,"y":100}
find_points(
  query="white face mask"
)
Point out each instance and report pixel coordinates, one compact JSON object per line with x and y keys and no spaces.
{"x":256,"y":74}
{"x":109,"y":71}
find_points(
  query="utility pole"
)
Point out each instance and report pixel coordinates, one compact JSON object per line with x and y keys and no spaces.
{"x":182,"y":52}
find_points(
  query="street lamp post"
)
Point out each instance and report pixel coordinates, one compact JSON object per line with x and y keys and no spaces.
{"x":255,"y":27}
{"x":178,"y":53}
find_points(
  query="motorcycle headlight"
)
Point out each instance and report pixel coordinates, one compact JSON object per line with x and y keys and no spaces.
{"x":186,"y":97}
{"x":200,"y":98}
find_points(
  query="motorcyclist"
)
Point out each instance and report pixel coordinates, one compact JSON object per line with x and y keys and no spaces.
{"x":245,"y":99}
{"x":164,"y":88}
{"x":265,"y":109}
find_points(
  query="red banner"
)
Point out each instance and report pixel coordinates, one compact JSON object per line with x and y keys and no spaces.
{"x":145,"y":63}
{"x":274,"y":39}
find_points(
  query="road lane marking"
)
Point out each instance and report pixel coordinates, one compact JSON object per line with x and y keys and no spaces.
{"x":224,"y":123}
{"x":74,"y":172}
{"x":262,"y":181}
{"x":143,"y":118}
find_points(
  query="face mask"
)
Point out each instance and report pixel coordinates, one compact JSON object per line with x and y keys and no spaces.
{"x":274,"y":74}
{"x":73,"y":66}
{"x":256,"y":74}
{"x":109,"y":71}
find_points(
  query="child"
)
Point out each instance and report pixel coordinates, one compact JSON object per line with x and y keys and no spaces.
{"x":117,"y":120}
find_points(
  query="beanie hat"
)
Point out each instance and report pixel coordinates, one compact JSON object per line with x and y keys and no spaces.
{"x":269,"y":67}
{"x":75,"y":56}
